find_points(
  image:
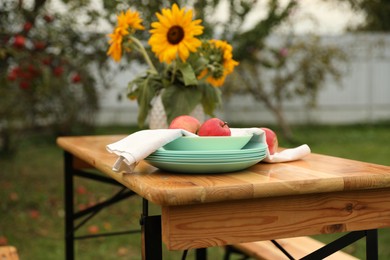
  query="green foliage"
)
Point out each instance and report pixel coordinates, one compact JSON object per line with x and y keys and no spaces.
{"x":302,"y":68}
{"x":45,"y":75}
{"x":179,"y":100}
{"x":211,"y":98}
{"x":144,"y":89}
{"x":180,"y":94}
{"x":376,"y":14}
{"x":298,"y":68}
{"x":253,"y":39}
{"x":57,"y":48}
{"x":179,"y":83}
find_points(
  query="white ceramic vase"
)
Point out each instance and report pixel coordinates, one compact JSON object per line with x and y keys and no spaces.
{"x":158,"y":117}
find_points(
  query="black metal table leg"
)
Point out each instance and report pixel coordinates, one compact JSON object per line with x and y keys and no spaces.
{"x":71,"y":216}
{"x":151,"y":234}
{"x":201,"y":254}
{"x":371,"y":237}
{"x":372,"y":244}
{"x":336,"y":245}
{"x":69,"y":234}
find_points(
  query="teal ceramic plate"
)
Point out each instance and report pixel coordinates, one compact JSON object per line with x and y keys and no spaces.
{"x":205,"y":168}
{"x":213,"y":159}
{"x":208,"y":143}
{"x":250,"y":148}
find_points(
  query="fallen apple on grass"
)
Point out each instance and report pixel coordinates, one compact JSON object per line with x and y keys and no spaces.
{"x":186,"y":122}
{"x":271,"y":139}
{"x":214,"y":127}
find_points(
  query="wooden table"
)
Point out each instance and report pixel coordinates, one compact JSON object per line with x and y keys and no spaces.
{"x":316,"y":195}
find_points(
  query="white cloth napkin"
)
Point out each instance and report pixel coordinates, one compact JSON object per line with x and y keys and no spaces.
{"x":287,"y":155}
{"x":141,"y":144}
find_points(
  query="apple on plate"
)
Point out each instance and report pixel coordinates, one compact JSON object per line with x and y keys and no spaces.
{"x":186,"y":122}
{"x":214,"y":127}
{"x":271,"y":139}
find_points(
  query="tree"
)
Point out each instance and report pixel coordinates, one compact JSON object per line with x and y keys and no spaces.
{"x":298,"y":68}
{"x":46,"y":54}
{"x":45,"y":79}
{"x":377,"y":14}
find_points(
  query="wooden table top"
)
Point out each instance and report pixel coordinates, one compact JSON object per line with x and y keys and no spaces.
{"x":313,"y":174}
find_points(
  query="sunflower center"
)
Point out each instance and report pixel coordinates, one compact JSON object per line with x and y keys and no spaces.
{"x":175,"y":34}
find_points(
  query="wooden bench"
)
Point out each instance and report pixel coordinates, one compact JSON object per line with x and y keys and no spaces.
{"x":8,"y":253}
{"x":297,"y":247}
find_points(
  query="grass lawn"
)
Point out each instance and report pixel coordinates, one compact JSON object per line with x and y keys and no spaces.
{"x":31,"y":192}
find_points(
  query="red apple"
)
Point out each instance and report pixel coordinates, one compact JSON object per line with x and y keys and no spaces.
{"x":271,"y":139}
{"x":81,"y":190}
{"x":19,"y":41}
{"x":27,"y":26}
{"x":3,"y":241}
{"x":46,"y":61}
{"x":24,"y":84}
{"x":76,"y":78}
{"x":48,"y":18}
{"x":214,"y":127}
{"x":39,"y":45}
{"x":34,"y":214}
{"x":93,"y":229}
{"x":58,"y":71}
{"x":186,"y":122}
{"x":14,"y":73}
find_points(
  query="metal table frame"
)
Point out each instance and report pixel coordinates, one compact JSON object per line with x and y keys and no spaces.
{"x":150,"y":224}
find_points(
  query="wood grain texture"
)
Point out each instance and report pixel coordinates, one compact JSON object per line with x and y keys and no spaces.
{"x":220,"y":223}
{"x":297,"y":247}
{"x":316,"y":195}
{"x":313,"y":174}
{"x":8,"y":253}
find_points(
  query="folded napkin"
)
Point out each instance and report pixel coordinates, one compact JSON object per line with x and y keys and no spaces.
{"x":141,"y":144}
{"x":286,"y":155}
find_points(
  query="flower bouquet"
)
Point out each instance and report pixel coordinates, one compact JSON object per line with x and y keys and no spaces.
{"x":190,"y":71}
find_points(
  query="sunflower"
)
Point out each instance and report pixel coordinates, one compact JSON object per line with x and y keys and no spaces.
{"x":174,"y":34}
{"x":221,"y":62}
{"x":127,"y":23}
{"x":115,"y":49}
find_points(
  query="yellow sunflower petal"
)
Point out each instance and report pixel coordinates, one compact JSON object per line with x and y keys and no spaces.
{"x":127,"y":22}
{"x":183,"y":52}
{"x":217,"y":76}
{"x":115,"y":51}
{"x":163,"y":21}
{"x":175,"y":31}
{"x":169,"y":54}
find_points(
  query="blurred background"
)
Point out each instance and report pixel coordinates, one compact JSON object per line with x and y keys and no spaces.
{"x":316,"y":72}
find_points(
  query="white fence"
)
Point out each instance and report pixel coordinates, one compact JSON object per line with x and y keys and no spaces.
{"x":362,"y":96}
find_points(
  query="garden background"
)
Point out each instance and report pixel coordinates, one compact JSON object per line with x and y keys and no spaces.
{"x":329,"y":91}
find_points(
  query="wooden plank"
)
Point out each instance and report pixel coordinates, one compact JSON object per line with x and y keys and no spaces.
{"x":8,"y":253}
{"x":217,"y":224}
{"x":80,"y":164}
{"x":314,"y":174}
{"x":297,"y":247}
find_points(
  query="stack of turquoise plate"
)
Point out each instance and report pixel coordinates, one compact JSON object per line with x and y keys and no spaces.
{"x":219,"y":158}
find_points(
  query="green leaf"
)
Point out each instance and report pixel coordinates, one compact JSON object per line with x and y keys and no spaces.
{"x":144,"y":89}
{"x":211,"y":98}
{"x":179,"y":100}
{"x":188,"y":73}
